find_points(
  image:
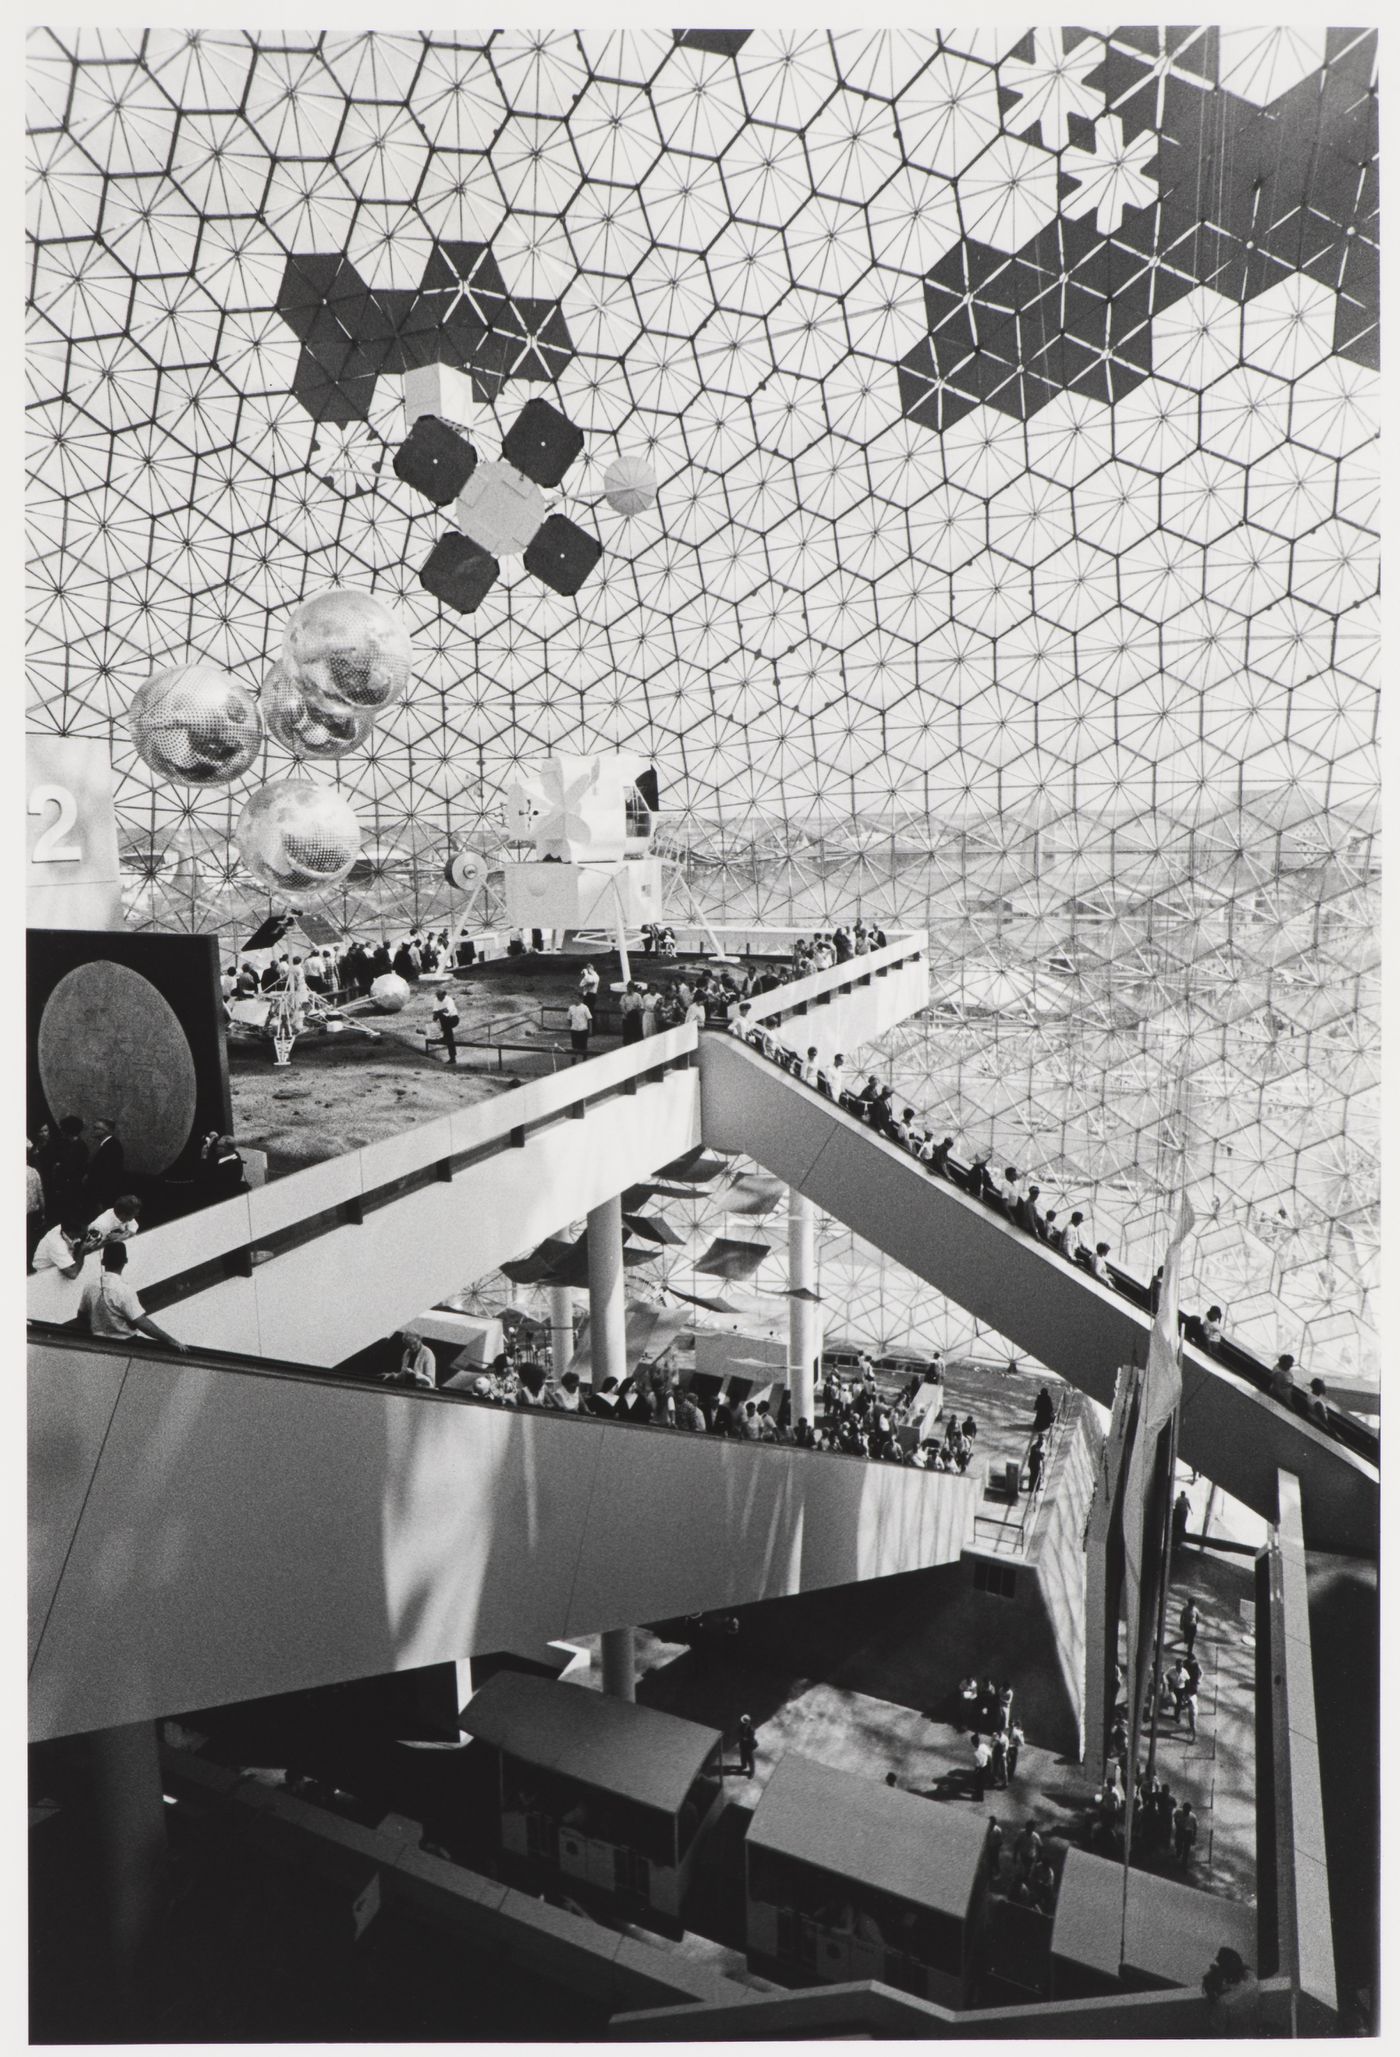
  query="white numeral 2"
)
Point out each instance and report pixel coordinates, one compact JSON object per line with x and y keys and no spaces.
{"x":51,"y":848}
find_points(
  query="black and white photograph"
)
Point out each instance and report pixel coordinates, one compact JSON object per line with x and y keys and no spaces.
{"x":702,"y":1033}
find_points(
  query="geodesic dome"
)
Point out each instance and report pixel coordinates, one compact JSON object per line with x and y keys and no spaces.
{"x":1012,"y":406}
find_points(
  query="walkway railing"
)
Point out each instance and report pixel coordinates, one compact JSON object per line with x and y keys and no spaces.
{"x":230,"y":1238}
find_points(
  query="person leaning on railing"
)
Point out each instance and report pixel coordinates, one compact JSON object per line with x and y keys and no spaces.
{"x":110,"y":1307}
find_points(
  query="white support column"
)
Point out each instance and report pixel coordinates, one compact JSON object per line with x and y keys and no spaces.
{"x":620,"y":933}
{"x":804,"y":1316}
{"x":561,"y":1327}
{"x":607,"y":1318}
{"x":607,"y":1331}
{"x":620,"y":1663}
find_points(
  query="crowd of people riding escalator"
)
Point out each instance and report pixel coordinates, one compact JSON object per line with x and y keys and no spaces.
{"x":854,"y":1416}
{"x":1017,"y":1199}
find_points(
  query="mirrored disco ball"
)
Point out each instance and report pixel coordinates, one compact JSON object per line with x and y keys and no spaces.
{"x":309,"y":728}
{"x":298,"y":837}
{"x":389,"y":993}
{"x":347,"y":651}
{"x":196,"y":724}
{"x":629,"y":484}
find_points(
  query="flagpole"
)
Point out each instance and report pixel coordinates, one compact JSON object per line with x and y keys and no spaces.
{"x":1162,"y":1594}
{"x":1159,"y":1404}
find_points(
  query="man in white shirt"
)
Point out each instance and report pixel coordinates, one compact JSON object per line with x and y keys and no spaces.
{"x":63,"y":1249}
{"x":446,"y":1016}
{"x":588,"y":982}
{"x":110,"y":1307}
{"x":738,"y":1017}
{"x":1071,"y":1241}
{"x":580,"y":1025}
{"x":118,"y":1223}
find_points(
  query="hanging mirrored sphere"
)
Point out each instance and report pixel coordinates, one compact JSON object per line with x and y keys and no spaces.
{"x":629,"y":484}
{"x":307,"y":727}
{"x":347,"y":652}
{"x":297,"y":836}
{"x":196,"y":724}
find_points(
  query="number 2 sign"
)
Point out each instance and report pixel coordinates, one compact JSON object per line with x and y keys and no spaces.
{"x":74,"y":880}
{"x":55,"y":845}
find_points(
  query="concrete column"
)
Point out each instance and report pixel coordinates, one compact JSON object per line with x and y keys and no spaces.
{"x":607,"y":1330}
{"x":561,"y":1327}
{"x":804,"y":1316}
{"x":129,"y":1845}
{"x":607,"y":1321}
{"x":620,"y":1663}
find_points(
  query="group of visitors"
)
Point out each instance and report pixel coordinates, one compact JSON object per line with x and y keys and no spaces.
{"x":994,"y":1755}
{"x":1029,"y":1878}
{"x":65,"y":1176}
{"x":69,"y":1189}
{"x":319,"y":972}
{"x":707,"y":997}
{"x":109,"y":1307}
{"x":76,"y":1200}
{"x":856,"y":1420}
{"x":829,"y":947}
{"x":73,"y":1214}
{"x":982,"y":1707}
{"x":331,"y":973}
{"x":1014,"y":1197}
{"x":1163,"y":1826}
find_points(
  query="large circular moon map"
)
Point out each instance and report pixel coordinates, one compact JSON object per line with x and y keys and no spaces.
{"x":110,"y":1044}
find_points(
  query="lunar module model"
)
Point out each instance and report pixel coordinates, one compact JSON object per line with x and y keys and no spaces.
{"x":590,"y":823}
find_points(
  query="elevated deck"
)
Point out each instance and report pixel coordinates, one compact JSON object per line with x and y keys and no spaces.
{"x":329,"y":1259}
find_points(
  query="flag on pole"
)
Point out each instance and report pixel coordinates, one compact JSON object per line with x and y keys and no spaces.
{"x":1161,"y":1391}
{"x":1158,"y":1399}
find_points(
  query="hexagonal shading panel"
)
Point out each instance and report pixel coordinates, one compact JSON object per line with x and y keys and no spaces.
{"x":542,"y":443}
{"x":1012,"y":569}
{"x":562,"y":554}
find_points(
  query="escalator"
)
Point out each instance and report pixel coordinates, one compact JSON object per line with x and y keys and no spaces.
{"x":208,"y":1527}
{"x":1021,"y":1289}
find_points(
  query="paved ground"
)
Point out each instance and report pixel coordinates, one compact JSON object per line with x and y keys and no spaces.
{"x":831,"y":1719}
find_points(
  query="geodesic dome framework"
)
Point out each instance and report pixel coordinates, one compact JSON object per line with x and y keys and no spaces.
{"x":1012,"y":405}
